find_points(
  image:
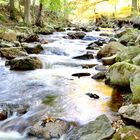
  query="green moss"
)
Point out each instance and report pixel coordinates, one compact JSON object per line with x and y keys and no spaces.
{"x":49,"y":99}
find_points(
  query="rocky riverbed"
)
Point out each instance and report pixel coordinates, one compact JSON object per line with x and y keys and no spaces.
{"x":70,"y":85}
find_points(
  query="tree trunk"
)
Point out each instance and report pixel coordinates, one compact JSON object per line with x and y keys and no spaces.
{"x":39,"y":16}
{"x":134,"y":5}
{"x":12,"y":10}
{"x":27,"y":16}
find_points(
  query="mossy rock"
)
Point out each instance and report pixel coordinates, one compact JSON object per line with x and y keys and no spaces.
{"x":135,"y":87}
{"x":127,"y":133}
{"x":110,"y":49}
{"x":121,"y":72}
{"x":130,"y":36}
{"x":128,"y":54}
{"x":13,"y":52}
{"x":27,"y":63}
{"x":136,"y":60}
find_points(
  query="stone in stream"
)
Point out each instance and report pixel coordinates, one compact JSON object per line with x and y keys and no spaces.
{"x":101,"y":68}
{"x":32,"y":38}
{"x":100,"y":129}
{"x":49,"y":128}
{"x":99,"y":75}
{"x":112,"y":39}
{"x":127,"y":133}
{"x":93,"y":46}
{"x":88,"y":66}
{"x":84,"y":56}
{"x":99,"y":42}
{"x":26,"y":63}
{"x":135,"y":88}
{"x":109,"y":60}
{"x":81,"y":74}
{"x":32,"y":48}
{"x":121,"y":72}
{"x":12,"y":52}
{"x":3,"y":114}
{"x":76,"y":35}
{"x":110,"y":49}
{"x":4,"y":44}
{"x":91,"y":95}
{"x":131,"y":114}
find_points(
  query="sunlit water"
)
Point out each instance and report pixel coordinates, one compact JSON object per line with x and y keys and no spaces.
{"x":55,"y":79}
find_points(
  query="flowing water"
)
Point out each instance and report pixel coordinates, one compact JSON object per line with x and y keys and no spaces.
{"x":53,"y":91}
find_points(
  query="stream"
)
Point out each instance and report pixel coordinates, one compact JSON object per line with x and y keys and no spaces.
{"x":67,"y":94}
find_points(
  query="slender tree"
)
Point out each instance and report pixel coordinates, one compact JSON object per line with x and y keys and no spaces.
{"x":134,"y":5}
{"x":38,"y":21}
{"x":27,"y":16}
{"x":12,"y":9}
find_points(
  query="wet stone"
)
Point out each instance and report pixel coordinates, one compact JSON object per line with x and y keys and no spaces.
{"x":76,"y":35}
{"x":101,"y":68}
{"x":3,"y":114}
{"x":99,"y":75}
{"x":84,"y":56}
{"x":81,"y":74}
{"x":94,"y":96}
{"x":93,"y":46}
{"x":49,"y":128}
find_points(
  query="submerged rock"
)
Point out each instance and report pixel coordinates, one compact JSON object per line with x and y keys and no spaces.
{"x":13,"y":52}
{"x":32,"y":48}
{"x":99,"y":129}
{"x":27,"y":63}
{"x":49,"y":128}
{"x":84,"y":56}
{"x":99,"y":75}
{"x":76,"y":35}
{"x":127,"y":133}
{"x":131,"y":114}
{"x":110,"y":49}
{"x":4,"y":44}
{"x":135,"y":88}
{"x":121,"y":72}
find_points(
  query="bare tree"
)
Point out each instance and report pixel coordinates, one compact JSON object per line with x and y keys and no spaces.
{"x":27,"y":16}
{"x":12,"y":9}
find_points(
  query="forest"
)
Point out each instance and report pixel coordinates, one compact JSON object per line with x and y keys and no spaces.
{"x":69,"y":69}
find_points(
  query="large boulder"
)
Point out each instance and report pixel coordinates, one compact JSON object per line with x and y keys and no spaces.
{"x":13,"y":52}
{"x":99,"y":129}
{"x":110,"y":49}
{"x":136,"y":60}
{"x":127,"y":133}
{"x":32,"y":48}
{"x":49,"y":128}
{"x":135,"y":88}
{"x":129,"y":37}
{"x":128,"y":54}
{"x":9,"y":35}
{"x":131,"y":114}
{"x":76,"y":35}
{"x":27,"y":63}
{"x":121,"y":72}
